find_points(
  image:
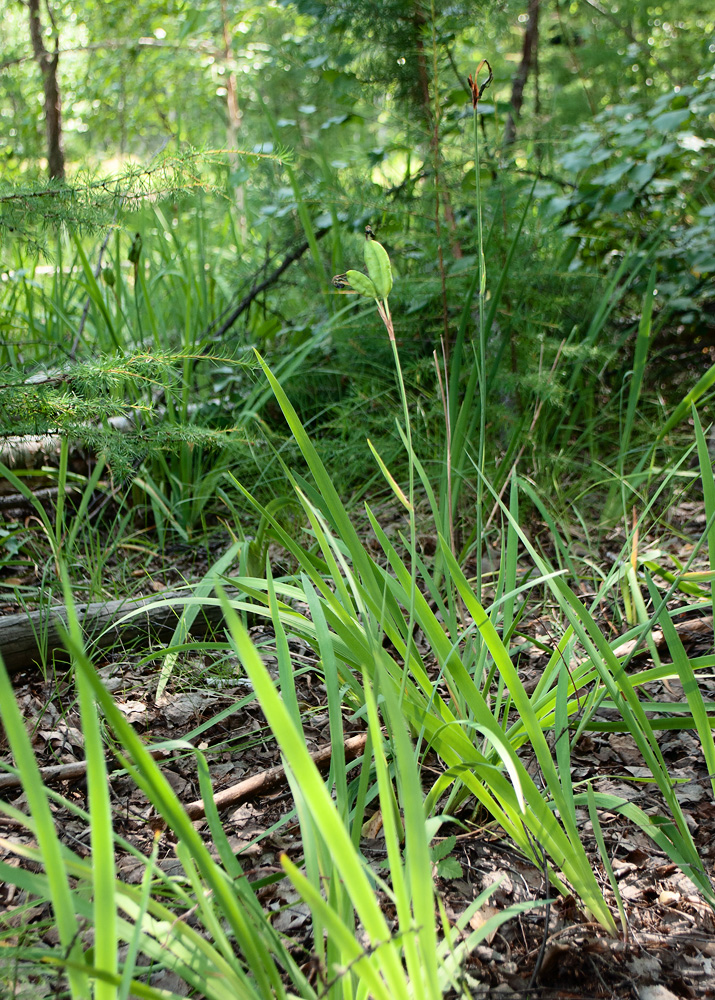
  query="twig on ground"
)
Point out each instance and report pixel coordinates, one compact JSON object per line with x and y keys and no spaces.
{"x":249,"y":788}
{"x":266,"y":781}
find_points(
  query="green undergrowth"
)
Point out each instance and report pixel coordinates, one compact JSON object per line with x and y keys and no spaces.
{"x":421,"y":650}
{"x":501,"y":463}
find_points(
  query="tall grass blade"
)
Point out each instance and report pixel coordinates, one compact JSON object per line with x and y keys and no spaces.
{"x":708,"y":480}
{"x":50,"y":848}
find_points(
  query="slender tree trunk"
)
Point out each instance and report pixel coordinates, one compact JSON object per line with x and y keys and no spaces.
{"x":430,"y":116}
{"x":529,"y":57}
{"x":235,"y":118}
{"x":47,"y":61}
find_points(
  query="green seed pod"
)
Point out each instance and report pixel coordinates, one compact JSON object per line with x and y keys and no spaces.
{"x":378,"y":267}
{"x":135,"y":249}
{"x":362,"y":284}
{"x":108,"y":275}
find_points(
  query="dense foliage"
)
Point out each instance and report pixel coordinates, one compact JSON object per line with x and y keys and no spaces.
{"x":336,"y":115}
{"x":204,"y":210}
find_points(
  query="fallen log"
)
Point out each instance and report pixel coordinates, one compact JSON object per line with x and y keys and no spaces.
{"x":53,"y":774}
{"x":33,"y":637}
{"x":47,"y":496}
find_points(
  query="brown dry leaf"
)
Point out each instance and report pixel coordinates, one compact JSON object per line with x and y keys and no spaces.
{"x":622,"y":868}
{"x":632,"y":892}
{"x":645,"y":967}
{"x":292,"y":919}
{"x":180,"y":785}
{"x":695,"y":626}
{"x":249,"y":820}
{"x":480,"y":918}
{"x":63,"y":737}
{"x":668,"y":898}
{"x":625,"y":747}
{"x":135,"y":711}
{"x":130,"y":870}
{"x":655,"y":992}
{"x":553,"y":957}
{"x":245,"y":846}
{"x":245,"y":815}
{"x":180,"y":709}
{"x":372,"y":827}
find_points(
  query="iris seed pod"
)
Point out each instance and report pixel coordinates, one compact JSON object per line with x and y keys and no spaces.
{"x":378,"y":267}
{"x":362,"y":284}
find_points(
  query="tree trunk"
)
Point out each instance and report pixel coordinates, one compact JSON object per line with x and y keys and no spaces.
{"x":529,"y":56}
{"x":235,"y":118}
{"x":47,"y":61}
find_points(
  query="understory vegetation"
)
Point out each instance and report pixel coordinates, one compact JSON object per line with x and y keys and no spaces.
{"x":372,"y":345}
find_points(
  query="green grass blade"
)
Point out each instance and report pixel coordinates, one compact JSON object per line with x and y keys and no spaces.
{"x":364,"y":963}
{"x":188,"y":615}
{"x":602,"y":850}
{"x":639,"y":363}
{"x":691,"y":688}
{"x":708,"y":481}
{"x":95,"y":293}
{"x":315,"y":793}
{"x":686,"y":404}
{"x":332,"y":687}
{"x":101,"y":824}
{"x":149,"y":776}
{"x":48,"y":841}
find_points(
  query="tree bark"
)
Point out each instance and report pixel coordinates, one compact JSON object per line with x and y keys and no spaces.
{"x":529,"y":55}
{"x":48,"y":61}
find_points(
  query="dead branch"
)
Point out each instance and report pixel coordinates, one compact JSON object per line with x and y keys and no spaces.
{"x":274,"y":777}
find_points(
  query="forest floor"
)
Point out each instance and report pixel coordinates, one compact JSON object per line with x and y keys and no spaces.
{"x":665,"y":950}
